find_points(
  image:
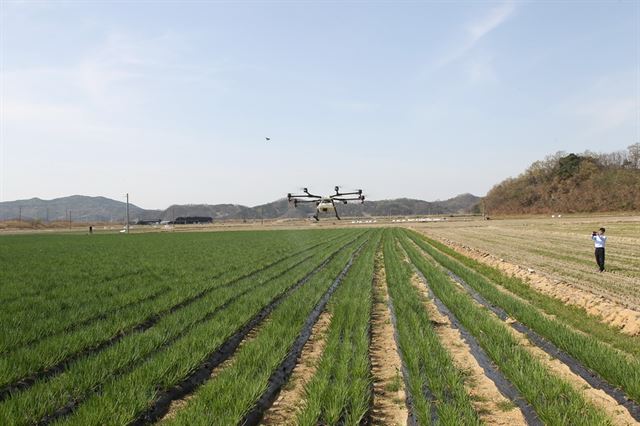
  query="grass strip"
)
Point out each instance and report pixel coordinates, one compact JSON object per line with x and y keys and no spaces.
{"x":555,"y":400}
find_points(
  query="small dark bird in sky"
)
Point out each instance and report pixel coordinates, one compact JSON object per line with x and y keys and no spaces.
{"x":268,"y":139}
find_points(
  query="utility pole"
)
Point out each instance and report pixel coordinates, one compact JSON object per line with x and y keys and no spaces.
{"x":127,"y":227}
{"x":69,"y":218}
{"x":19,"y":214}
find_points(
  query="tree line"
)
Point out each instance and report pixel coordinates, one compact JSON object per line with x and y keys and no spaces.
{"x":571,"y":183}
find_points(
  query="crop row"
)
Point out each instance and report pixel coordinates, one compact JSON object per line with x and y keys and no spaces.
{"x":614,"y":366}
{"x":62,"y":273}
{"x":555,"y":401}
{"x":435,"y":384}
{"x":63,"y":349}
{"x":90,"y":296}
{"x":573,"y":316}
{"x":340,"y":391}
{"x":91,"y":372}
{"x":229,"y":396}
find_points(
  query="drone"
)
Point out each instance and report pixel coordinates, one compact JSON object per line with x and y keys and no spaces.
{"x":325,"y":204}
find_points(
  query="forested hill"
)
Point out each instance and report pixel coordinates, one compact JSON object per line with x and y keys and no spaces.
{"x":569,"y":183}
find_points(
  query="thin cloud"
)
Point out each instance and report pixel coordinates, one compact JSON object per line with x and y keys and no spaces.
{"x":494,"y":19}
{"x":104,"y":85}
{"x":354,"y":106}
{"x":603,"y":106}
{"x":122,"y":61}
{"x":481,"y":70}
{"x":477,"y":30}
{"x":606,"y":114}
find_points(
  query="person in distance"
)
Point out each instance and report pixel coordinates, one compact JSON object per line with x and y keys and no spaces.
{"x":600,"y":241}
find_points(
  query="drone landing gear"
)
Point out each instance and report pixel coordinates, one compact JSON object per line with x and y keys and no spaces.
{"x":337,"y":217}
{"x":315,"y":216}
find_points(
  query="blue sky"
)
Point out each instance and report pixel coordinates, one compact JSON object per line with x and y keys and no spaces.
{"x":171,"y":101}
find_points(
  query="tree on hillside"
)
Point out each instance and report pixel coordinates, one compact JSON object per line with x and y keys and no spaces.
{"x":567,"y":166}
{"x":634,"y":155}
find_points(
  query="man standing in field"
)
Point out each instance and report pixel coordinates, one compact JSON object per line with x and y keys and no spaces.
{"x":600,"y":241}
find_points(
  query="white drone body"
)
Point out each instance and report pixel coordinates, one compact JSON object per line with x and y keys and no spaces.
{"x":326,"y":204}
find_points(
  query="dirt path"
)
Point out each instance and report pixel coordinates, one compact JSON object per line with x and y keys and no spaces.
{"x":492,"y":407}
{"x":389,"y":407}
{"x":285,"y":407}
{"x":611,"y":312}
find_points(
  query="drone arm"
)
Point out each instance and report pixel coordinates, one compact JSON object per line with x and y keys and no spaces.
{"x":292,"y":196}
{"x":348,"y":198}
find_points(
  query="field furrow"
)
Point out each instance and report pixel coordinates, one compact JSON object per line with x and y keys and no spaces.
{"x":389,"y":405}
{"x":614,"y":367}
{"x":340,"y":391}
{"x":188,"y":385}
{"x":38,"y":361}
{"x":555,"y":401}
{"x":264,"y":363}
{"x":574,"y":316}
{"x":436,"y":386}
{"x":128,"y":354}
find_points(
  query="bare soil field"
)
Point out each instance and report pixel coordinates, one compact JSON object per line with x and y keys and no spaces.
{"x":556,"y":257}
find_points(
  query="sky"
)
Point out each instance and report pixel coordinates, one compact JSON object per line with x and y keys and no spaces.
{"x":171,"y":101}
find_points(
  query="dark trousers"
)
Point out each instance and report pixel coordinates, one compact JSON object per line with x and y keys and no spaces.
{"x":600,"y":257}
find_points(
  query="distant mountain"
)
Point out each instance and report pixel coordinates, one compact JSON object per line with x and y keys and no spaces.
{"x":81,"y":208}
{"x":101,"y":209}
{"x":281,"y":209}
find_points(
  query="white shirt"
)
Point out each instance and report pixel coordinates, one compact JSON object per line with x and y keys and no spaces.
{"x":600,"y":240}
